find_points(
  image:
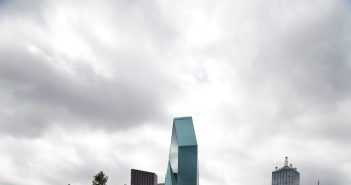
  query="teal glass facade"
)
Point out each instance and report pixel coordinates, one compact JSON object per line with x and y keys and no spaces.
{"x":182,"y":167}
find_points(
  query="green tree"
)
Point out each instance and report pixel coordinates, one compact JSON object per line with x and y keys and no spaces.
{"x":100,"y":179}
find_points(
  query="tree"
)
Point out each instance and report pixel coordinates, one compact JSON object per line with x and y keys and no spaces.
{"x":100,"y":179}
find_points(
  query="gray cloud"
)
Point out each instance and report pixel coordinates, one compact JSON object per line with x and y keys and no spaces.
{"x":86,"y":95}
{"x":89,"y":86}
{"x":302,"y":67}
{"x":136,"y":95}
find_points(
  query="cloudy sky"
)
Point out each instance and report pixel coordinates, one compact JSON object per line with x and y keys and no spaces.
{"x":89,"y":86}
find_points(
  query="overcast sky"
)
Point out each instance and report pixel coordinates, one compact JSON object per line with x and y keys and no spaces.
{"x":89,"y":86}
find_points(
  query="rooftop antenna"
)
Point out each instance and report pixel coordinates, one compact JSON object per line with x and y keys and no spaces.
{"x":286,"y":161}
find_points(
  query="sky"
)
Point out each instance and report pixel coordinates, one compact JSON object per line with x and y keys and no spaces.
{"x":89,"y":86}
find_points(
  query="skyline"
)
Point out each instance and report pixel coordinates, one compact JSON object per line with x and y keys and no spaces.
{"x":89,"y":86}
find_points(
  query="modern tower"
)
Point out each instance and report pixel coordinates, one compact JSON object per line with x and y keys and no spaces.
{"x":183,"y":168}
{"x":286,"y":175}
{"x":138,"y":177}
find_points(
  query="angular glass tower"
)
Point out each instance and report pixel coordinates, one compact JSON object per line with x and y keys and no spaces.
{"x":183,"y":166}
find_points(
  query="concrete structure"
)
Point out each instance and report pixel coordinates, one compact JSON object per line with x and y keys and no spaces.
{"x":183,"y":168}
{"x":138,"y":177}
{"x":286,"y":175}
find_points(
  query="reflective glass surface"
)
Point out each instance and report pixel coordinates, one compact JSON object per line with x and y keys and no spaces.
{"x":183,"y":156}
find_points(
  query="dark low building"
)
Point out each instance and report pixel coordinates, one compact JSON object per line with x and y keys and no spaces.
{"x":138,"y":177}
{"x":286,"y":175}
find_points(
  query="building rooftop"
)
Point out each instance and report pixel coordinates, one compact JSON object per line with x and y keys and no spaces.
{"x":185,"y":131}
{"x":286,"y":166}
